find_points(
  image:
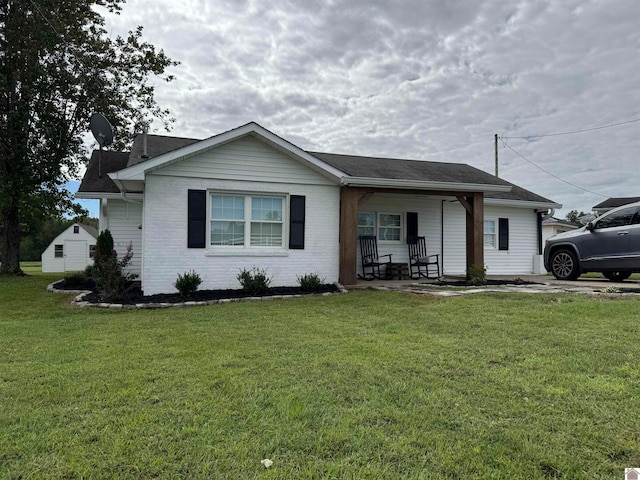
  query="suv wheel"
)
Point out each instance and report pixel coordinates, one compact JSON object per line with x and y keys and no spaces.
{"x":617,"y":276}
{"x":564,"y":265}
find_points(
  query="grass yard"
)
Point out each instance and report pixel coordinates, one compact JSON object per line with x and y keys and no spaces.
{"x":365,"y":385}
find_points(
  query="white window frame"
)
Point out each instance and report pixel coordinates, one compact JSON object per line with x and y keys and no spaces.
{"x":58,"y":252}
{"x":375,"y":222}
{"x":246,"y":248}
{"x":376,"y":226}
{"x":400,"y":228}
{"x":493,"y":246}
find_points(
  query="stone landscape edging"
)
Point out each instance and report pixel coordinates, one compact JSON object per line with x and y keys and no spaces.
{"x":78,"y":300}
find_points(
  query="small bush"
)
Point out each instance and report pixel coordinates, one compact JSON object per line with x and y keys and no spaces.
{"x":74,"y":279}
{"x":88,"y":272}
{"x":111,"y":275}
{"x":254,"y":281}
{"x":477,"y":275}
{"x":187,"y":283}
{"x":310,"y":283}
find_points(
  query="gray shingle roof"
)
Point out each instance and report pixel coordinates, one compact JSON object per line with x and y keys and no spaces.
{"x":156,"y":146}
{"x":111,"y":162}
{"x":373,"y":167}
{"x":425,"y":171}
{"x":356,"y":166}
{"x":616,"y":202}
{"x":558,"y":221}
{"x":93,"y":231}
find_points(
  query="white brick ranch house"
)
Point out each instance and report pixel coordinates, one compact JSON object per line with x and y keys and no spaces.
{"x":247,"y":197}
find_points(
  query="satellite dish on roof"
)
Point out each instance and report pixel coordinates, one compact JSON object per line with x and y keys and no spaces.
{"x":103,"y":133}
{"x":101,"y":129}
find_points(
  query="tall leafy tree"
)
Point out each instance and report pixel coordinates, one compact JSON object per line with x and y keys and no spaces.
{"x":57,"y":67}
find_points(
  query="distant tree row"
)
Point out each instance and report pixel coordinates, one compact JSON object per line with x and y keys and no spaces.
{"x":574,"y":217}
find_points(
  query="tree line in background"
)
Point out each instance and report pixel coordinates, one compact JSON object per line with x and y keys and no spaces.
{"x":58,"y":65}
{"x":574,"y":217}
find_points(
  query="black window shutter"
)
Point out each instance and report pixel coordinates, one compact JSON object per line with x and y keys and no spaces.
{"x":412,"y":227}
{"x":503,"y":234}
{"x":296,"y":222}
{"x":197,"y":213}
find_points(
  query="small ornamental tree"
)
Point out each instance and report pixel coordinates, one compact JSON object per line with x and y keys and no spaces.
{"x":110,"y":274}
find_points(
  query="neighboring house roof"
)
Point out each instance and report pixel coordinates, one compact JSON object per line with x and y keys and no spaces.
{"x":610,"y":203}
{"x":557,"y":221}
{"x":356,"y":170}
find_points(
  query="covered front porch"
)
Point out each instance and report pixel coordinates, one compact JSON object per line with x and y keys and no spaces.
{"x":353,"y":199}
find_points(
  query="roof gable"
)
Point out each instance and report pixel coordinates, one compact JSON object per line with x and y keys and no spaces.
{"x":138,"y":170}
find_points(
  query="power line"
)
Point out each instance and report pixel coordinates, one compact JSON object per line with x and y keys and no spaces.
{"x":547,"y":171}
{"x":577,"y":131}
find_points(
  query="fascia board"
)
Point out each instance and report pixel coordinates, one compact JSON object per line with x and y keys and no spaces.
{"x":421,"y":185}
{"x":99,"y":195}
{"x":138,"y":171}
{"x":521,"y":203}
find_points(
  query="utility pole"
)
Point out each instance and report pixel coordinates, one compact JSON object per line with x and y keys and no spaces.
{"x":495,"y":144}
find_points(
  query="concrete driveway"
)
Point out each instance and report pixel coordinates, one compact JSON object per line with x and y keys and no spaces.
{"x":540,"y":284}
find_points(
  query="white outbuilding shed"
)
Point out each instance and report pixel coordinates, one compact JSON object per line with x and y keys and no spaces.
{"x":72,"y":250}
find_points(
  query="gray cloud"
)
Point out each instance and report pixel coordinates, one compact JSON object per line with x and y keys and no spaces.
{"x":415,"y":79}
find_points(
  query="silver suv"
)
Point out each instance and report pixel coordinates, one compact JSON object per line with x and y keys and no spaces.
{"x":610,"y":244}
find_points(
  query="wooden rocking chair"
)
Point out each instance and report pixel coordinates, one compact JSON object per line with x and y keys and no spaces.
{"x":422,"y":263}
{"x":370,"y":257}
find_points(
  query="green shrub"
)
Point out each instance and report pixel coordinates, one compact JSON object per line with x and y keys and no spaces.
{"x":477,"y":275}
{"x":104,"y":245}
{"x":254,"y":281}
{"x":88,"y":272}
{"x":187,"y":283}
{"x":113,"y":281}
{"x":74,"y":279}
{"x":310,"y":282}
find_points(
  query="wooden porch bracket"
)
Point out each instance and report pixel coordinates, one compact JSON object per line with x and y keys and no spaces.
{"x":467,"y":206}
{"x":364,"y":198}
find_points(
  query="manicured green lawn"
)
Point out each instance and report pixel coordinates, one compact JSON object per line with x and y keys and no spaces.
{"x":364,"y":385}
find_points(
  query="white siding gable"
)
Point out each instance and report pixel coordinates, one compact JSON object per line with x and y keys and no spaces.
{"x":75,"y":251}
{"x":245,"y":159}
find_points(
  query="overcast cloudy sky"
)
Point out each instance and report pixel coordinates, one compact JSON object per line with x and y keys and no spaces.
{"x":419,"y":79}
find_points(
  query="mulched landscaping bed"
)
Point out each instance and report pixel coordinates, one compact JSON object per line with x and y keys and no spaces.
{"x":136,"y":296}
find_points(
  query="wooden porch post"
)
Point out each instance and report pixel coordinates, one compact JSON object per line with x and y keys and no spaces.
{"x":475,"y":231}
{"x":474,"y":206}
{"x":348,"y":235}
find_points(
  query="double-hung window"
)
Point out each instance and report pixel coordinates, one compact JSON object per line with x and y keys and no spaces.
{"x":386,"y":226}
{"x":366,"y":223}
{"x":246,"y":220}
{"x":490,"y":233}
{"x":389,"y":227}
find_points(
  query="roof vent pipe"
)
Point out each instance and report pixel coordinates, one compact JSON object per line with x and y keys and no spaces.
{"x":145,"y":129}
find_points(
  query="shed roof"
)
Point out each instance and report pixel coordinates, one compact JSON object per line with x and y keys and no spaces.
{"x":93,"y":231}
